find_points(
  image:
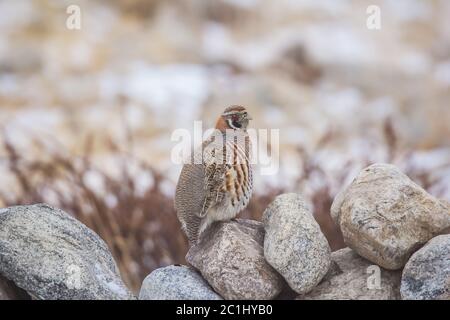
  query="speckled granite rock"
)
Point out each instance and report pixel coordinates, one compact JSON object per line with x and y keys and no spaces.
{"x":294,"y":244}
{"x":51,"y":255}
{"x":426,"y":275}
{"x":385,"y":217}
{"x":176,"y":283}
{"x":352,"y":277}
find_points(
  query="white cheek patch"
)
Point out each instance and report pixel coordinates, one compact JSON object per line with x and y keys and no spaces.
{"x":230,"y":124}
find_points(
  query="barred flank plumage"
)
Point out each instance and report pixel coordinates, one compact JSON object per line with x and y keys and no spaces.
{"x":221,"y":186}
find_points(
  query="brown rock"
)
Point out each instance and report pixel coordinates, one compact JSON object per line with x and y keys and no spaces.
{"x":294,"y":243}
{"x":230,"y":257}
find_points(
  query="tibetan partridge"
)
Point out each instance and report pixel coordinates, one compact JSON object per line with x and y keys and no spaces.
{"x":217,"y":183}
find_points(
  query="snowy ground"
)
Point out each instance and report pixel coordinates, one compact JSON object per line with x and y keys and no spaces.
{"x":307,"y":68}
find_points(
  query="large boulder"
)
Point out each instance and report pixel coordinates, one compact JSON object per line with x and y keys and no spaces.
{"x":294,"y":244}
{"x":426,"y":275}
{"x":385,"y":217}
{"x":176,"y":283}
{"x":51,"y":255}
{"x":352,"y":277}
{"x":230,"y":257}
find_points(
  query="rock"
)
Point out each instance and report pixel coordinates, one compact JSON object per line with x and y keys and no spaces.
{"x":176,"y":283}
{"x":230,"y":257}
{"x":352,"y":277}
{"x":427,"y":273}
{"x":9,"y":291}
{"x":23,"y":60}
{"x":335,"y":209}
{"x":294,"y":244}
{"x":51,"y":255}
{"x":385,"y":217}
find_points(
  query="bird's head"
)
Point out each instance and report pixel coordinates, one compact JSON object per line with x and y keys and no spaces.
{"x":234,"y":117}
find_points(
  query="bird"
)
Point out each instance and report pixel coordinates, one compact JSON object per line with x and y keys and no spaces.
{"x":216,"y":184}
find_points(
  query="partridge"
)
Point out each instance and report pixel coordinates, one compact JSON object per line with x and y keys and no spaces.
{"x":217,"y":183}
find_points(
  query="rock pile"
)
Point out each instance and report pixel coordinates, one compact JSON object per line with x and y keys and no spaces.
{"x":397,"y":237}
{"x":385,"y":217}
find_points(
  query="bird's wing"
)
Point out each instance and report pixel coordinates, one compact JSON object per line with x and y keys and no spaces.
{"x":189,"y":195}
{"x":215,"y":171}
{"x":189,"y":198}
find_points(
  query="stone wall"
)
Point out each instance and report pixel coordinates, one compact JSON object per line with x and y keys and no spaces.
{"x":397,"y":236}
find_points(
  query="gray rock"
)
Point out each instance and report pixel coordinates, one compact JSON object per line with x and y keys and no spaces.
{"x":230,"y":257}
{"x":294,"y":244}
{"x":426,"y":275}
{"x":385,"y":217}
{"x":176,"y":283}
{"x":51,"y":255}
{"x":352,"y":277}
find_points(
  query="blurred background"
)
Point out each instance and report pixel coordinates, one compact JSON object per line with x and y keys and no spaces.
{"x":86,"y":115}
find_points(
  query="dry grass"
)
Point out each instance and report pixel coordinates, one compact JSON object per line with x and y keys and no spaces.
{"x":141,"y":230}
